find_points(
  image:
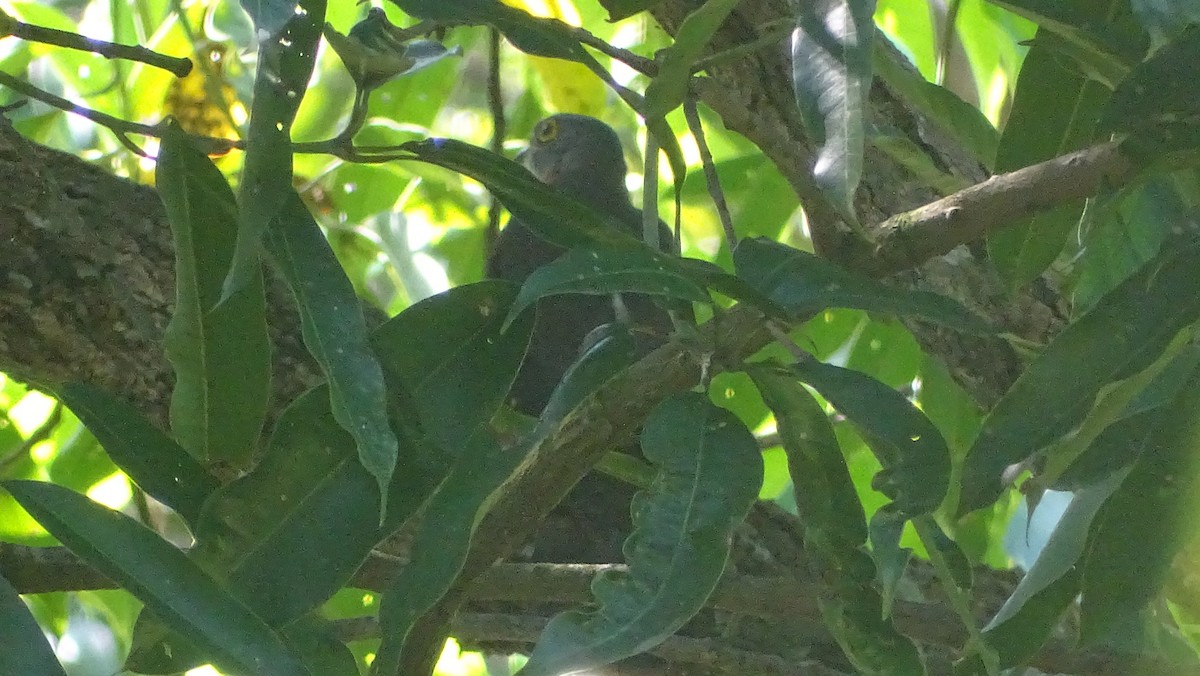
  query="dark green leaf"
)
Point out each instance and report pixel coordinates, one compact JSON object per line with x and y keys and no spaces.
{"x":886,"y":528}
{"x":1054,"y":112}
{"x":270,"y":15}
{"x":709,"y":472}
{"x":449,"y":522}
{"x":1165,"y":18}
{"x":603,"y":271}
{"x":623,"y":9}
{"x":916,"y":462}
{"x":221,"y":354}
{"x":550,"y":215}
{"x":1103,"y":49}
{"x":448,"y":354}
{"x":1158,"y":502}
{"x":153,"y":460}
{"x":669,"y":87}
{"x":825,"y":497}
{"x":292,"y":532}
{"x":440,"y":545}
{"x":530,"y":34}
{"x":805,"y":284}
{"x":23,"y":646}
{"x":835,"y":530}
{"x":1154,"y":95}
{"x":1124,"y":333}
{"x":161,"y":576}
{"x":336,"y":335}
{"x":963,"y":121}
{"x":1031,"y":613}
{"x":285,"y":64}
{"x":831,"y":76}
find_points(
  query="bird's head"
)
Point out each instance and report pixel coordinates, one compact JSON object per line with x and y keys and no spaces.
{"x":580,"y":156}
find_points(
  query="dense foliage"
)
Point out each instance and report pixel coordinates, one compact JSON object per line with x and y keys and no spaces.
{"x":926,"y":421}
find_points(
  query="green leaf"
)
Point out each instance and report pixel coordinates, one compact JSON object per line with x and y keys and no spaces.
{"x":1158,"y":502}
{"x":835,"y":530}
{"x":831,"y":76}
{"x":448,"y":353}
{"x":23,"y":646}
{"x":221,"y":354}
{"x":1154,"y":95}
{"x":162,"y":577}
{"x":1031,"y":613}
{"x":441,"y":544}
{"x":709,"y":472}
{"x":530,"y":34}
{"x":961,"y":120}
{"x":805,"y":284}
{"x":826,"y":501}
{"x":153,"y":460}
{"x":623,"y":9}
{"x":1105,"y":49}
{"x":603,"y":271}
{"x":285,"y":65}
{"x":1165,"y":18}
{"x":1124,"y":333}
{"x":669,"y":87}
{"x":270,"y":15}
{"x":549,"y":214}
{"x":1054,"y":112}
{"x":915,"y":459}
{"x":292,"y":532}
{"x":336,"y":336}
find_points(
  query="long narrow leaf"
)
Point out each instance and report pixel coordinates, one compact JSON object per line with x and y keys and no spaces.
{"x":162,"y":577}
{"x":1124,"y":333}
{"x":835,"y":530}
{"x":709,"y":474}
{"x":23,"y":646}
{"x":336,"y":335}
{"x":285,"y":64}
{"x":831,"y":76}
{"x":221,"y":354}
{"x":153,"y":460}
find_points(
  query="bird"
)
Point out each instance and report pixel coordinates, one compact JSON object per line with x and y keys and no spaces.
{"x":580,"y":157}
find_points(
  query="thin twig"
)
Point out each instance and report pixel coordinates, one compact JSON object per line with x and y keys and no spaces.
{"x":637,"y":62}
{"x":177,"y":66}
{"x":769,"y":36}
{"x":39,"y":435}
{"x":710,"y":170}
{"x":499,"y":130}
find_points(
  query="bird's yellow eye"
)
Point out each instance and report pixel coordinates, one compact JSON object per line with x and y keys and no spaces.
{"x":546,"y":132}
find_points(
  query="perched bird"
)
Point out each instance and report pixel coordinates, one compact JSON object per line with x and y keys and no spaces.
{"x":581,"y":157}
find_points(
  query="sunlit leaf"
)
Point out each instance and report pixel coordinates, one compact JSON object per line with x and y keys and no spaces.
{"x":709,"y":472}
{"x":668,"y":88}
{"x":831,"y":76}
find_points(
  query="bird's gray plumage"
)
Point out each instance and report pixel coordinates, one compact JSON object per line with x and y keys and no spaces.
{"x":581,"y":157}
